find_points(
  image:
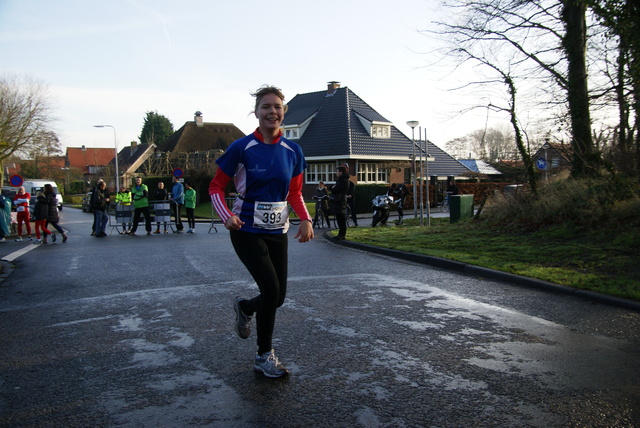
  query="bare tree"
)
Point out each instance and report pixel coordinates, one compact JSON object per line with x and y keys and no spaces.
{"x":25,"y":116}
{"x":489,"y":144}
{"x":621,"y":19}
{"x":531,"y":44}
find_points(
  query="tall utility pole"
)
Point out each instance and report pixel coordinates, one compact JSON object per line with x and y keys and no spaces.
{"x":412,"y":124}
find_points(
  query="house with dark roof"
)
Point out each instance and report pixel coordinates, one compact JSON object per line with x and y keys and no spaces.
{"x":336,"y":127}
{"x":194,"y":146}
{"x":201,"y":136}
{"x":131,"y":160}
{"x":553,"y":159}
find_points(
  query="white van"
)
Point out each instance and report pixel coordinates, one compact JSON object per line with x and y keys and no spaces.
{"x":33,"y":186}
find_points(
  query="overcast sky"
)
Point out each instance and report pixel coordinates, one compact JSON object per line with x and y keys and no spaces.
{"x":109,"y":62}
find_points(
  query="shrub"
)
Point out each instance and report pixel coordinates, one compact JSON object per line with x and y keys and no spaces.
{"x":584,"y":203}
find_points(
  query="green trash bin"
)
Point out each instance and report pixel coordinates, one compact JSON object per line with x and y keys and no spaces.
{"x":461,"y":207}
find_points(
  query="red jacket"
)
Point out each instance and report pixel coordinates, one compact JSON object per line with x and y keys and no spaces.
{"x":22,"y":202}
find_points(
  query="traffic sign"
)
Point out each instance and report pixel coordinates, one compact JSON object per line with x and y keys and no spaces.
{"x":541,"y":163}
{"x":177,"y":172}
{"x":16,"y":180}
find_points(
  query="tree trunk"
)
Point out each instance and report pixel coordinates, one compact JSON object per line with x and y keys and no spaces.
{"x":586,"y":161}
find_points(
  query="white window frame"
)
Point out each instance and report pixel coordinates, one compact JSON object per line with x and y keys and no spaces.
{"x":317,"y":172}
{"x":380,"y":131}
{"x":371,"y":173}
{"x":292,"y":133}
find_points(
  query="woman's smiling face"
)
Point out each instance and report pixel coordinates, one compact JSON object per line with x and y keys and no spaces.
{"x":270,"y":113}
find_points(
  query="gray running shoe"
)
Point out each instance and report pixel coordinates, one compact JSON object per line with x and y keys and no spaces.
{"x":267,"y":363}
{"x":243,"y":321}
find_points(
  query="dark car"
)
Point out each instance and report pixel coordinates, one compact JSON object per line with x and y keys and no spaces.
{"x":86,"y":203}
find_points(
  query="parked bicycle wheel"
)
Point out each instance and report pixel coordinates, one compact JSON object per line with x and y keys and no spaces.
{"x":293,"y":217}
{"x":444,"y":206}
{"x":349,"y":217}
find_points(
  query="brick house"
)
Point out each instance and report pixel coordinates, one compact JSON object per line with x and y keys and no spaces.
{"x":89,"y":162}
{"x":336,"y":127}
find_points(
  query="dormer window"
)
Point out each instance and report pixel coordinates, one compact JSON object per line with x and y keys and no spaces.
{"x":380,"y":131}
{"x":292,"y":133}
{"x":376,"y":129}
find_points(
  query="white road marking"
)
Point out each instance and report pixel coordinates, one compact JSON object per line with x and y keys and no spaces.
{"x":11,"y":257}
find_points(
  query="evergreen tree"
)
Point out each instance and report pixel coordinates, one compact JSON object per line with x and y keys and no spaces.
{"x":156,"y":129}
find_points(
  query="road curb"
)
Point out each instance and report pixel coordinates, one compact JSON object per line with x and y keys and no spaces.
{"x":486,"y":273}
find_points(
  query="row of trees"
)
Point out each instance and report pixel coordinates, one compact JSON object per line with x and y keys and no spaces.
{"x":491,"y":145}
{"x":571,"y":60}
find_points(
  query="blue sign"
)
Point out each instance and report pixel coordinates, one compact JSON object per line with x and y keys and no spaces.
{"x":541,"y":163}
{"x":16,"y":180}
{"x":178,"y":172}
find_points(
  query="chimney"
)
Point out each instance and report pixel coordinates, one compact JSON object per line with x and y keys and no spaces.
{"x":331,"y":87}
{"x":198,"y":119}
{"x":134,"y":144}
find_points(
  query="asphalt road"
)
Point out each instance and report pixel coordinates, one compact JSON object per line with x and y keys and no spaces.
{"x":137,"y":332}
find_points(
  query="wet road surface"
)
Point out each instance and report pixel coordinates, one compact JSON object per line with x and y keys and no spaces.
{"x":137,"y":332}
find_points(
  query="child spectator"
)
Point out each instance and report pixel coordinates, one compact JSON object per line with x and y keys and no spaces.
{"x":190,"y":205}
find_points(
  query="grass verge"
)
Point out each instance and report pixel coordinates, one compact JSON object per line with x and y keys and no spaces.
{"x":558,"y":254}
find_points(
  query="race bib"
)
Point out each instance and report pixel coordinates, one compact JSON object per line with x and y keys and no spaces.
{"x":270,"y":215}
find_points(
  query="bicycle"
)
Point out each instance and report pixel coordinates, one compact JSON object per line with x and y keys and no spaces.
{"x":349,"y":219}
{"x":321,"y":219}
{"x":444,"y":205}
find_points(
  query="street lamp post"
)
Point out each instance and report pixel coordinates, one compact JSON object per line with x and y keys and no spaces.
{"x":412,"y":124}
{"x":422,"y":179}
{"x":426,"y":173}
{"x":115,"y":142}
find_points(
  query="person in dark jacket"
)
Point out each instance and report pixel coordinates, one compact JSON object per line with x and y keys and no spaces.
{"x":339,"y":193}
{"x":40,"y":217}
{"x":53,"y":217}
{"x":100,"y":204}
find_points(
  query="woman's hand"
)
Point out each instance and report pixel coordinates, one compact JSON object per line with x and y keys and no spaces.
{"x":233,"y":223}
{"x":305,"y":231}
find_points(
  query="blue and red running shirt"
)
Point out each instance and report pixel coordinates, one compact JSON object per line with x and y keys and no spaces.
{"x":268,"y":173}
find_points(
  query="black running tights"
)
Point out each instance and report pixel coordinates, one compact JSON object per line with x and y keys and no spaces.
{"x":266,"y":258}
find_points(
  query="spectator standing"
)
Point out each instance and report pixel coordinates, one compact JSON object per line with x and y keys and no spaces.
{"x":161,"y":194}
{"x":339,"y":201}
{"x":54,"y":217}
{"x":190,"y":205}
{"x":21,"y":201}
{"x":100,"y":205}
{"x":40,"y":216}
{"x":95,"y":189}
{"x":123,"y":198}
{"x":259,"y":222}
{"x":177,"y":197}
{"x":140,"y":196}
{"x":452,"y":188}
{"x":5,"y":217}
